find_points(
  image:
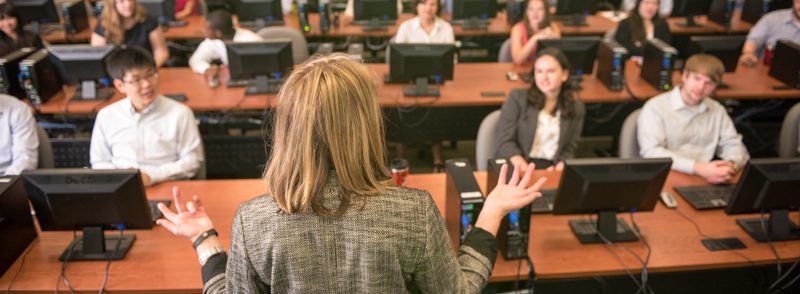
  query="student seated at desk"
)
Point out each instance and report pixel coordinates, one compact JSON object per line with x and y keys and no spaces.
{"x":664,"y":7}
{"x":330,"y":221}
{"x":19,"y":142}
{"x":536,"y":24}
{"x":125,"y":22}
{"x":642,"y":24}
{"x":186,"y":8}
{"x":544,"y":122}
{"x":774,"y":26}
{"x":12,"y":34}
{"x":427,"y":27}
{"x":218,"y":29}
{"x":691,"y":128}
{"x":147,"y":131}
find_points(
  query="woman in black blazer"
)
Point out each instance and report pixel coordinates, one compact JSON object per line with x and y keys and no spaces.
{"x":549,"y":99}
{"x":642,"y":24}
{"x":12,"y":36}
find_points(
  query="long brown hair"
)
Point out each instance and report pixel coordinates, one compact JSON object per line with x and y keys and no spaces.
{"x":546,"y":21}
{"x":327,"y":120}
{"x":638,"y":33}
{"x":566,"y":100}
{"x":112,"y":21}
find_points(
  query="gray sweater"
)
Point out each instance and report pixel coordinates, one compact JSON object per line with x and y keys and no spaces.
{"x":395,"y":242}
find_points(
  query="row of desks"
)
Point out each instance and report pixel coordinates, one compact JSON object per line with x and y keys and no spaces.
{"x":597,"y":25}
{"x":160,"y":262}
{"x":470,"y":80}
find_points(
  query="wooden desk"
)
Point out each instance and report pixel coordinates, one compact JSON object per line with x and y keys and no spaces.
{"x":160,"y":262}
{"x":193,"y":30}
{"x":707,"y":27}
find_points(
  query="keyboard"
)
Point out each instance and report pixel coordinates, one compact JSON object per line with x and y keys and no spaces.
{"x":238,"y":83}
{"x":155,"y":213}
{"x":706,"y":197}
{"x":544,"y":204}
{"x":71,"y":152}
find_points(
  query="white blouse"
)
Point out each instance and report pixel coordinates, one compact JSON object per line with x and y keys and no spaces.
{"x":545,"y":140}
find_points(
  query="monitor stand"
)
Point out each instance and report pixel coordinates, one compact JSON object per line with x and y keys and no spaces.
{"x":779,"y":227}
{"x":574,"y":20}
{"x":613,"y":229}
{"x":474,"y":24}
{"x":90,"y":90}
{"x":690,"y":22}
{"x":94,"y":245}
{"x":263,"y":85}
{"x":421,"y":89}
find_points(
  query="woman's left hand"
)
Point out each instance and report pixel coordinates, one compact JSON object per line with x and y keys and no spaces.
{"x":189,"y":221}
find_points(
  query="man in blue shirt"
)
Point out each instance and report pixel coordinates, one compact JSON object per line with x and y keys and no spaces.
{"x":781,"y":24}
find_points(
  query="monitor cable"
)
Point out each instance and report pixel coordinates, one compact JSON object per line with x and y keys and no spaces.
{"x":646,"y":262}
{"x":781,"y":276}
{"x":21,"y":264}
{"x":617,"y":257}
{"x":63,"y":274}
{"x":121,"y":229}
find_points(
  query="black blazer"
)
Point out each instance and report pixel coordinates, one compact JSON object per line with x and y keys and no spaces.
{"x":624,"y":37}
{"x":517,"y":127}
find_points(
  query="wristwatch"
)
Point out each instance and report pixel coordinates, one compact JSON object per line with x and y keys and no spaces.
{"x":208,"y":253}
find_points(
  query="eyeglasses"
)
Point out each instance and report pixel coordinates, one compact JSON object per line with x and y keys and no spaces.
{"x":137,"y":81}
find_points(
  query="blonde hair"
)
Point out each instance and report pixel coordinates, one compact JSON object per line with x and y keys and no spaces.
{"x":707,"y":65}
{"x":112,"y":21}
{"x":327,"y":117}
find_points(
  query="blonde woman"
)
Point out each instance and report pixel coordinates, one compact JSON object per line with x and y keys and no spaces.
{"x":330,"y":221}
{"x":125,"y":22}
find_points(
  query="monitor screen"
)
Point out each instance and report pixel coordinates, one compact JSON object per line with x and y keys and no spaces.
{"x":568,"y":7}
{"x":690,"y":7}
{"x":41,"y":11}
{"x":366,"y":10}
{"x":162,"y":10}
{"x":727,"y":48}
{"x":272,"y":58}
{"x":480,"y":9}
{"x":752,"y":10}
{"x":605,"y":187}
{"x":78,"y":63}
{"x":269,"y":11}
{"x":410,"y":61}
{"x":580,"y":51}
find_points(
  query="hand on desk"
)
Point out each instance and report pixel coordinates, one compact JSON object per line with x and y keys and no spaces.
{"x":190,"y":219}
{"x":507,"y":197}
{"x":715,"y":172}
{"x":748,"y":59}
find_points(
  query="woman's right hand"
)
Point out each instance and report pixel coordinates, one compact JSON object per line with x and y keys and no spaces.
{"x":189,"y":221}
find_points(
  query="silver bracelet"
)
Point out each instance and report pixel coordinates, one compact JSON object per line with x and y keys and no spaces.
{"x":208,"y":253}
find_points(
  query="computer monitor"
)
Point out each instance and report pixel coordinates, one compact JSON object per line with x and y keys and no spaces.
{"x":785,"y":65}
{"x":474,"y":14}
{"x":580,"y":51}
{"x":727,"y":48}
{"x":36,"y":11}
{"x":76,"y":16}
{"x":605,"y":187}
{"x":84,"y":65}
{"x":9,"y":72}
{"x":721,"y":11}
{"x":374,"y":15}
{"x":265,"y":63}
{"x":258,"y":13}
{"x":92,"y":201}
{"x":752,"y":10}
{"x":768,"y":186}
{"x":163,"y":11}
{"x":574,"y":12}
{"x":689,"y":9}
{"x":421,"y":64}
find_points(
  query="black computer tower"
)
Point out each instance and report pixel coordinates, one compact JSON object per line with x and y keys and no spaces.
{"x":464,"y":199}
{"x":16,"y":222}
{"x":9,"y":72}
{"x":786,"y":63}
{"x":39,"y":77}
{"x":721,"y":11}
{"x":515,"y":11}
{"x":611,"y":64}
{"x":76,"y":18}
{"x":657,"y":64}
{"x":514,"y":231}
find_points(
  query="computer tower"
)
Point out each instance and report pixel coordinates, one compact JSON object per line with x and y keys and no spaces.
{"x":786,"y":63}
{"x":464,"y":199}
{"x":39,"y":77}
{"x":515,"y":10}
{"x":721,"y":11}
{"x":514,"y":231}
{"x":9,"y":72}
{"x":657,"y":64}
{"x":611,"y":64}
{"x":76,"y":18}
{"x":752,"y":10}
{"x":16,"y":223}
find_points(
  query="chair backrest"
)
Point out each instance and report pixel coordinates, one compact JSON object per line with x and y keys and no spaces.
{"x":486,"y":143}
{"x":790,"y":134}
{"x":45,"y":157}
{"x":628,"y":143}
{"x":504,"y":56}
{"x":299,"y":44}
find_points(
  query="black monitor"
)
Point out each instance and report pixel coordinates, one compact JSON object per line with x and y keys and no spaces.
{"x":689,"y":9}
{"x":474,"y":14}
{"x":76,"y":17}
{"x":574,"y":12}
{"x":163,"y":11}
{"x":264,"y":63}
{"x":785,"y":65}
{"x":768,"y":186}
{"x":752,"y":10}
{"x":580,"y":51}
{"x":605,"y":187}
{"x":92,"y":201}
{"x":421,"y":64}
{"x":84,"y":65}
{"x":16,"y":222}
{"x":36,"y":11}
{"x":721,"y":11}
{"x":258,"y":13}
{"x":374,"y":15}
{"x":727,"y":48}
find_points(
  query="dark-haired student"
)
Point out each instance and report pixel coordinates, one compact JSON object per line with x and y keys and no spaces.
{"x":536,"y":24}
{"x":542,"y":124}
{"x":219,"y":29}
{"x":125,"y":22}
{"x":642,"y":24}
{"x":12,"y":34}
{"x":145,"y":130}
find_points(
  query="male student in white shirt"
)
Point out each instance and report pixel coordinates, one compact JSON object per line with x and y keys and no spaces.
{"x":18,"y":140}
{"x":145,"y":130}
{"x":218,"y":29}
